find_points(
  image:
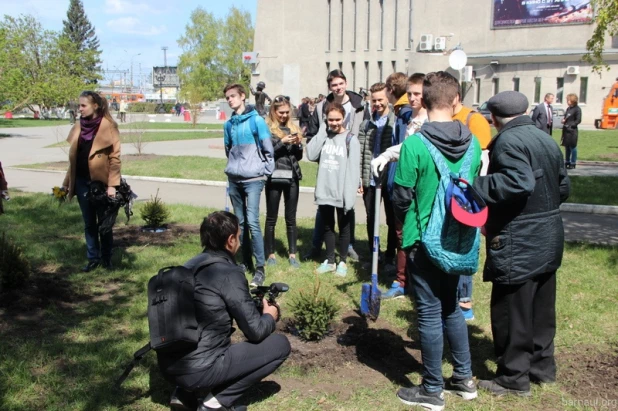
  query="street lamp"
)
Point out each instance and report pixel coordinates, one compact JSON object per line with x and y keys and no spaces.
{"x":160,"y":77}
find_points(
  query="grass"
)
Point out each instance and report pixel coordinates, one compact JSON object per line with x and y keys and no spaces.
{"x":67,"y":354}
{"x":594,"y":190}
{"x":171,"y":126}
{"x":127,"y":136}
{"x":30,"y":122}
{"x":594,"y":145}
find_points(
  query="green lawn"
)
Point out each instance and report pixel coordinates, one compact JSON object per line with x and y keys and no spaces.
{"x":128,"y":137}
{"x":172,"y":126}
{"x":29,"y":122}
{"x":69,"y":335}
{"x":594,"y":190}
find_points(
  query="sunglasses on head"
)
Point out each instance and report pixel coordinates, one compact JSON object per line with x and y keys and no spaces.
{"x":281,"y":99}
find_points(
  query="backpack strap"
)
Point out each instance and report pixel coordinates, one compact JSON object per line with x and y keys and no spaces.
{"x":437,"y":156}
{"x":348,"y":138}
{"x":137,"y":356}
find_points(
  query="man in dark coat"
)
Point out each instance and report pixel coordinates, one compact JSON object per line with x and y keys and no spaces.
{"x":524,"y":187}
{"x":543,"y":116}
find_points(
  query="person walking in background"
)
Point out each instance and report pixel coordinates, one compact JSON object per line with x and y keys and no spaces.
{"x":123,"y":111}
{"x":4,"y":189}
{"x":525,"y":184}
{"x":338,"y":153}
{"x":286,"y":139}
{"x":543,"y":116}
{"x":249,"y":151}
{"x":177,"y":108}
{"x":416,"y":184}
{"x":94,"y":155}
{"x":260,"y":98}
{"x":375,"y":137}
{"x":304,"y":113}
{"x":572,"y":118}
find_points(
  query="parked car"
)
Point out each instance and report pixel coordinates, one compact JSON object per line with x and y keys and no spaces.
{"x":485,"y":112}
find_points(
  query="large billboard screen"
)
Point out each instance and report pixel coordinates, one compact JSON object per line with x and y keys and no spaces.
{"x":525,"y":13}
{"x":168,"y":74}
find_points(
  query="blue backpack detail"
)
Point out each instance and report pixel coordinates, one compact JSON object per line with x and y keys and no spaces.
{"x":450,"y":245}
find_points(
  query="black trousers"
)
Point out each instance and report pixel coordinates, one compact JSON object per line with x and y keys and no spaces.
{"x":273,"y":198}
{"x":523,"y":323}
{"x":343,"y":218}
{"x":369,"y":198}
{"x":241,"y":366}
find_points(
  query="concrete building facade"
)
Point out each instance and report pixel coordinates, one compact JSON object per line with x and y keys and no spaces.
{"x":299,"y":42}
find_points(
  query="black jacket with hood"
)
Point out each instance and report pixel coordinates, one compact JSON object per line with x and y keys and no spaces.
{"x":319,"y":114}
{"x":221,"y":295}
{"x":525,"y":184}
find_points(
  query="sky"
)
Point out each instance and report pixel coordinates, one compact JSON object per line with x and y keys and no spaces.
{"x":130,"y":31}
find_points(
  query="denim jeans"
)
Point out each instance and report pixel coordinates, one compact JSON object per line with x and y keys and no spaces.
{"x":435,"y":293}
{"x":318,"y":230}
{"x":464,"y":289}
{"x":571,"y":155}
{"x":245,"y":196}
{"x":97,"y":246}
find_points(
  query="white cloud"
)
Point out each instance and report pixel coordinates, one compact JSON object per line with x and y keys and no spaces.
{"x":133,"y":25}
{"x":128,"y":7}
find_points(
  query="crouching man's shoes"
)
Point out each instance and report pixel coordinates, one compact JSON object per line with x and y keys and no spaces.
{"x":499,"y":391}
{"x":91,"y":266}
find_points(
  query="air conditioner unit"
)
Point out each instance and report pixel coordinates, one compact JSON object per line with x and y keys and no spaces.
{"x":468,"y":74}
{"x":426,"y":43}
{"x":572,"y":70}
{"x":440,"y":44}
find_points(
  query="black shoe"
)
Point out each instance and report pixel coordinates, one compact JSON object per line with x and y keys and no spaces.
{"x":465,"y":388}
{"x":573,"y":166}
{"x":418,"y":396}
{"x":313,"y":254}
{"x":258,"y":278}
{"x":107,"y":264}
{"x":499,"y":391}
{"x":91,"y":266}
{"x":202,"y":407}
{"x":182,"y":400}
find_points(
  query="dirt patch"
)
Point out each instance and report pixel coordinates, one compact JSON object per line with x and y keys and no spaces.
{"x":590,"y":375}
{"x":131,"y":236}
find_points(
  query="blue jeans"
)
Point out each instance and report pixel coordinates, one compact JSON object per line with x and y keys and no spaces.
{"x":245,"y":196}
{"x":318,"y":230}
{"x":464,"y":289}
{"x":571,"y":155}
{"x":97,"y":246}
{"x":435,"y":293}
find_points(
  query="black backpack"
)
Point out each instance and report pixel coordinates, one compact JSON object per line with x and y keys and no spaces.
{"x":171,"y":312}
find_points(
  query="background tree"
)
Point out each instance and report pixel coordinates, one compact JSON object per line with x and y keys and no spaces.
{"x":606,"y":25}
{"x":236,"y":37}
{"x":80,"y":32}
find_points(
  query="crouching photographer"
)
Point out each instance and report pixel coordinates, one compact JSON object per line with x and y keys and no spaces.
{"x":217,"y":371}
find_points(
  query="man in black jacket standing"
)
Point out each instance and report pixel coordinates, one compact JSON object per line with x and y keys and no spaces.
{"x":524,"y":187}
{"x":218,"y":371}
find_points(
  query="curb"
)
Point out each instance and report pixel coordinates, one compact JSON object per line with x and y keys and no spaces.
{"x":565,"y":207}
{"x":598,"y":163}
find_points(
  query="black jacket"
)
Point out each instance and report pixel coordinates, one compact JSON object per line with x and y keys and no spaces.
{"x":319,"y":114}
{"x":221,"y":295}
{"x":525,"y":184}
{"x":287,"y":157}
{"x":572,"y":116}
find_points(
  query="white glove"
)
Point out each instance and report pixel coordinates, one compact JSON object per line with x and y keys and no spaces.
{"x":5,"y":195}
{"x":378,"y":164}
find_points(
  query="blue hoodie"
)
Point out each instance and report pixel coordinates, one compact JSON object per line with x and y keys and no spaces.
{"x":245,"y":162}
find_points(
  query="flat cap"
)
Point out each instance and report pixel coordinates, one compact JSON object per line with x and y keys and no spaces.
{"x":508,"y":104}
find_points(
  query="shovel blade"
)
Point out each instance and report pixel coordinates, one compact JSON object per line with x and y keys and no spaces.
{"x":365,"y":297}
{"x":374,"y":298}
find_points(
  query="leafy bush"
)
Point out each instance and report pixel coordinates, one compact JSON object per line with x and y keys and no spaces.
{"x":14,"y":268}
{"x":313,"y":313}
{"x":155,"y":212}
{"x":142,"y":107}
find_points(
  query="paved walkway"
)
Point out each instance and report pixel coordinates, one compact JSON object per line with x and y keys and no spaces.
{"x":27,"y":147}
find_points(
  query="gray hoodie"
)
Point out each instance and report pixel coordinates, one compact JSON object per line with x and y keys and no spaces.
{"x":338,"y":171}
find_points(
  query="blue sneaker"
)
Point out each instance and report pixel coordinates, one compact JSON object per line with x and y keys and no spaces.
{"x":294,"y":262}
{"x":342,"y":270}
{"x":271,"y":261}
{"x":467,"y":313}
{"x":396,"y":291}
{"x":325,"y":268}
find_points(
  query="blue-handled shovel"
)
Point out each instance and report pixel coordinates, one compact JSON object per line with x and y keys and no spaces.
{"x":370,"y":293}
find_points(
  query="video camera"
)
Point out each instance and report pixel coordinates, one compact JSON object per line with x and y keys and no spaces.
{"x":273,"y":292}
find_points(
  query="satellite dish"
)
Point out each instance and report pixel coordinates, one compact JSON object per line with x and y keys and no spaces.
{"x":458,"y":59}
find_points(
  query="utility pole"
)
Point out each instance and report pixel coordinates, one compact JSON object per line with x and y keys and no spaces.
{"x":164,"y":48}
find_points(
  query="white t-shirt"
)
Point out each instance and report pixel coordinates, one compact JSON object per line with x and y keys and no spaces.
{"x":348,"y":114}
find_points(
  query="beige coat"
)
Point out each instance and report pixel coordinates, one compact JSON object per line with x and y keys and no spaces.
{"x":104,"y":158}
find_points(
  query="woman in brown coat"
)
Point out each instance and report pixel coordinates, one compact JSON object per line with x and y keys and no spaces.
{"x":4,"y":190}
{"x":94,"y":156}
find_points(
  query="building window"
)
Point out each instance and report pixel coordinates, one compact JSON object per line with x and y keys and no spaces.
{"x":355,"y":13}
{"x":329,"y":25}
{"x":327,"y":69}
{"x":394,"y":65}
{"x":341,"y":65}
{"x":477,"y":91}
{"x":380,"y":70}
{"x":495,"y":85}
{"x":559,"y":89}
{"x":353,"y":75}
{"x":341,"y":39}
{"x":395,"y":25}
{"x":368,"y":23}
{"x":367,"y":75}
{"x":516,"y":84}
{"x":537,"y":89}
{"x":381,"y":25}
{"x":409,"y":40}
{"x":583,"y":89}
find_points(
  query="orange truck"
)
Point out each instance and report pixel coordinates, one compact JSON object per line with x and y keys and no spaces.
{"x":609,"y":117}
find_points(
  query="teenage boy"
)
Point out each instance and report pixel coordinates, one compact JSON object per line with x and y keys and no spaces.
{"x":250,"y":162}
{"x":435,"y":292}
{"x":375,"y":137}
{"x":354,"y":115}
